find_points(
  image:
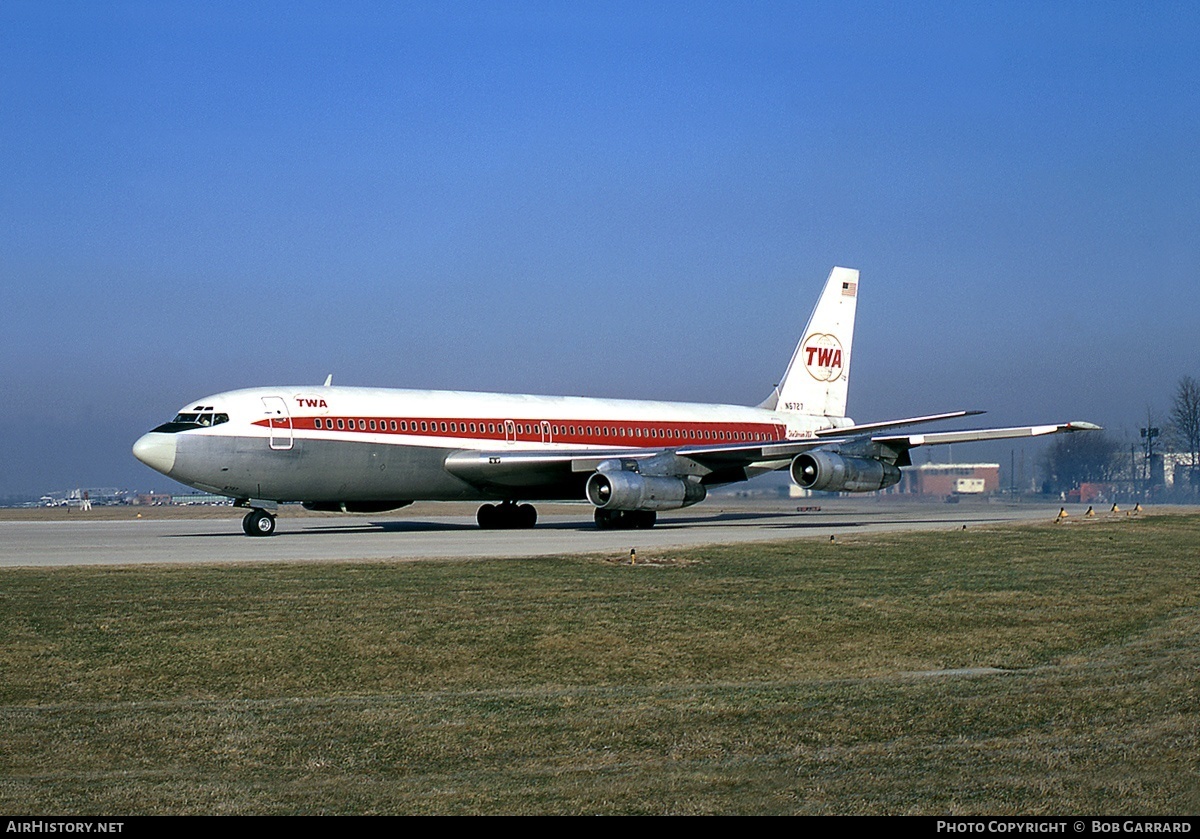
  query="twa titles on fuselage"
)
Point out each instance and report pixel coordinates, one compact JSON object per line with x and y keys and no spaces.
{"x":370,"y":450}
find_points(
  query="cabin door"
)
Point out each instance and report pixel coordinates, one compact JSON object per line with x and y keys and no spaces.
{"x":279,"y":422}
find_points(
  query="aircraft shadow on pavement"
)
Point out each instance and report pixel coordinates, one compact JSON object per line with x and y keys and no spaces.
{"x":772,"y":520}
{"x":775,"y":520}
{"x":347,"y":529}
{"x":583,"y":524}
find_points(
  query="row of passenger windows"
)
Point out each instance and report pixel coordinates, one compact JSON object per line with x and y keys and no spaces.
{"x":530,"y":429}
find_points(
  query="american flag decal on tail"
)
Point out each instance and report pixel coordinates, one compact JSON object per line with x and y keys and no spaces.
{"x":849,"y":289}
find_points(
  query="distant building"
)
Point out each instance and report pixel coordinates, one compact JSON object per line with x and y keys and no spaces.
{"x":199,"y":498}
{"x":1098,"y":493}
{"x":84,"y":497}
{"x":182,"y":499}
{"x":944,"y":479}
{"x":151,"y":499}
{"x":1178,"y":472}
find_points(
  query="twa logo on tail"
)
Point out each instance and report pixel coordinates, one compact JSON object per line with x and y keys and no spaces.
{"x":823,"y":356}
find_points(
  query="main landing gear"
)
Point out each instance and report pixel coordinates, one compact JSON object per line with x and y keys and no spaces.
{"x":258,"y":523}
{"x":625,"y":519}
{"x":508,"y":515}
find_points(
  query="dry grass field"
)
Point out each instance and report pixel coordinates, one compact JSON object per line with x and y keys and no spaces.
{"x":1020,"y":669}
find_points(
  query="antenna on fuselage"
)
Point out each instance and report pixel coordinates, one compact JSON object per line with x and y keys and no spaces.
{"x":328,"y":380}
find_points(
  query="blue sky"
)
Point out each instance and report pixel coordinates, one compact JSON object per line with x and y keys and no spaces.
{"x":613,"y":199}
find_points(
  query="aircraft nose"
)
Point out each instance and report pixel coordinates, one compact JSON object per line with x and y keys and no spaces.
{"x":156,"y":450}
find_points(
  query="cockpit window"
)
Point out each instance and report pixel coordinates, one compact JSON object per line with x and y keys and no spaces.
{"x":189,"y":420}
{"x":205,"y":419}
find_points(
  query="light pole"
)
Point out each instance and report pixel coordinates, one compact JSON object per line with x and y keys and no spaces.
{"x":1148,"y":434}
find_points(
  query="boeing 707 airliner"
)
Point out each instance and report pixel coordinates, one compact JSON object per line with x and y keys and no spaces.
{"x":368,"y":450}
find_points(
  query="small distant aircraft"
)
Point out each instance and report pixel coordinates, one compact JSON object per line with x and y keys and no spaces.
{"x":368,"y":450}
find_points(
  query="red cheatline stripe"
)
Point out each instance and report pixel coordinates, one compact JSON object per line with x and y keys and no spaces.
{"x":575,"y":432}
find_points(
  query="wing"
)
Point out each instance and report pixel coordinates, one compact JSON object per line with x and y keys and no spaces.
{"x":558,"y":472}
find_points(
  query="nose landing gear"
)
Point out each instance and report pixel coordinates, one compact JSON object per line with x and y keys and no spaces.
{"x":258,"y":523}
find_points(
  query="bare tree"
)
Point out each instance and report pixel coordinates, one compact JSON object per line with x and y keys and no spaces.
{"x":1185,"y":421}
{"x":1077,"y":458}
{"x":1185,"y":417}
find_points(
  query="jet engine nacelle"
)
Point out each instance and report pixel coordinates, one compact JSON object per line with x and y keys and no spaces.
{"x":829,"y":472}
{"x":625,"y":490}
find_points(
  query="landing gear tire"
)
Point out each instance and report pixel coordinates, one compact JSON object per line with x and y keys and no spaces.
{"x":258,"y":523}
{"x":625,"y":519}
{"x":645,"y":519}
{"x":506,"y":516}
{"x":608,"y":519}
{"x":487,"y":517}
{"x":526,"y":516}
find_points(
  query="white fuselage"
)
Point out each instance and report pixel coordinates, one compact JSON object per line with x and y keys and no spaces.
{"x":343,"y":443}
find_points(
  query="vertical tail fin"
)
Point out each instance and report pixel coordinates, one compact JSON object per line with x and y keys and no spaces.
{"x":818,"y":376}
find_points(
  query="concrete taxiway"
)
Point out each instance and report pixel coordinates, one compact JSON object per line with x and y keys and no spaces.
{"x":415,"y":535}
